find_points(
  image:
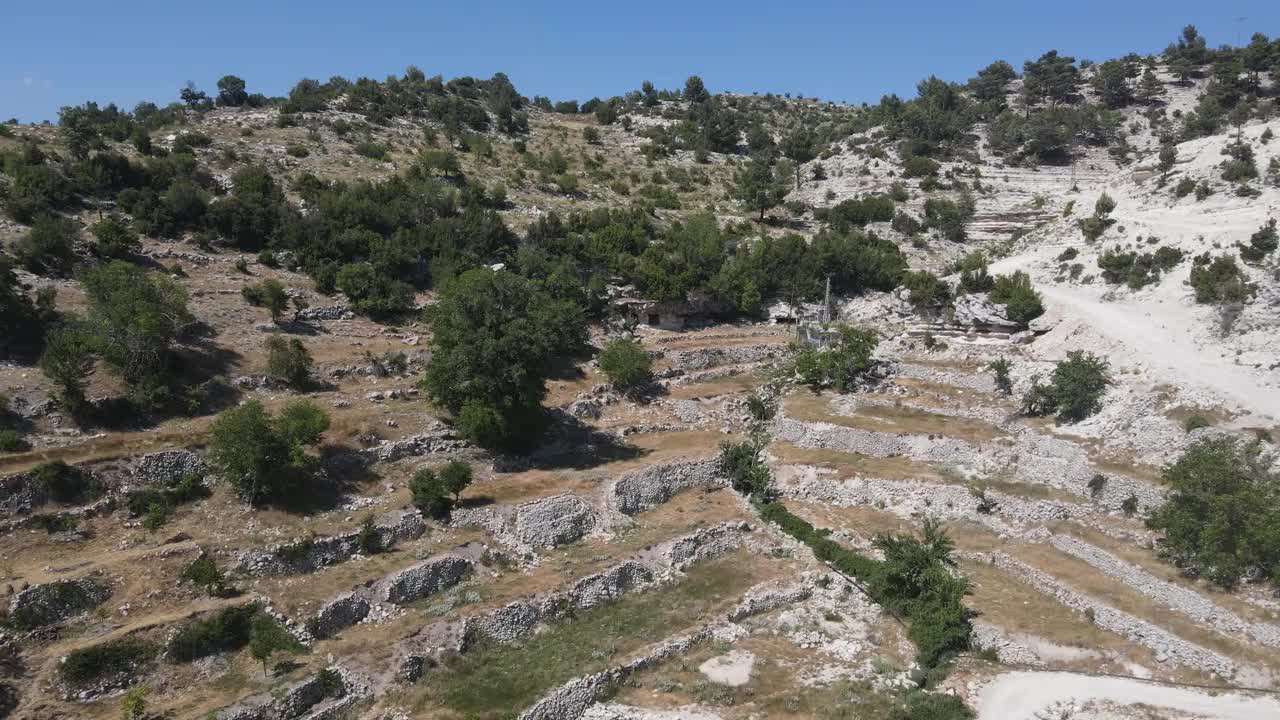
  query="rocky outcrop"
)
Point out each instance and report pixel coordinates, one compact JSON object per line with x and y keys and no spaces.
{"x":423,"y":579}
{"x":19,"y":494}
{"x":977,"y":310}
{"x":309,"y":555}
{"x":649,"y":487}
{"x":337,"y":614}
{"x":331,"y":312}
{"x":53,"y":602}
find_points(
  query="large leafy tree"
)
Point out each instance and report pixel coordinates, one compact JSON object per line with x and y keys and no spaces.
{"x":1221,"y":518}
{"x":264,"y":457}
{"x":496,"y":336}
{"x":231,"y":92}
{"x":135,"y":315}
{"x":1051,"y":79}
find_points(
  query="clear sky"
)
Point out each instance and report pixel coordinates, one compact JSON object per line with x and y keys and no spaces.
{"x":59,"y":53}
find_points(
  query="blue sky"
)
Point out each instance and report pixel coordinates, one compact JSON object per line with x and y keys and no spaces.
{"x":55,"y":54}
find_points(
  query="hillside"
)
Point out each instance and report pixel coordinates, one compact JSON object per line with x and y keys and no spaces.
{"x":424,"y":399}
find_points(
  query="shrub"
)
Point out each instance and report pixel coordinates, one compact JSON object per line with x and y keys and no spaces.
{"x":429,"y":493}
{"x":1021,"y":302}
{"x":373,"y":150}
{"x":269,"y":293}
{"x":1261,"y":244}
{"x":1097,"y":484}
{"x":1195,"y":422}
{"x":949,"y":217}
{"x":116,"y":238}
{"x":83,"y":666}
{"x":288,"y":361}
{"x":842,"y":363}
{"x":66,"y":484}
{"x":135,"y":316}
{"x":68,"y":361}
{"x":49,"y":246}
{"x":368,"y":540}
{"x":1000,"y":369}
{"x":371,"y":292}
{"x":1075,"y":390}
{"x":203,"y":572}
{"x":926,"y":289}
{"x":297,"y":150}
{"x":179,"y":491}
{"x":267,"y":637}
{"x":747,"y":472}
{"x":932,"y":706}
{"x":1184,"y":187}
{"x":917,"y":166}
{"x":1068,"y":255}
{"x":869,"y":209}
{"x":1220,"y":515}
{"x":12,"y":441}
{"x":906,"y":224}
{"x":1219,"y":280}
{"x":225,"y":631}
{"x":974,"y":277}
{"x":626,"y":364}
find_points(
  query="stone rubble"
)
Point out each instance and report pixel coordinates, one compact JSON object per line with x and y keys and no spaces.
{"x":309,"y":555}
{"x":52,"y":602}
{"x":420,"y":580}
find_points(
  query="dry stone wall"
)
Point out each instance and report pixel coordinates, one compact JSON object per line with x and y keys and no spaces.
{"x":307,"y":556}
{"x":52,"y":602}
{"x":649,"y":487}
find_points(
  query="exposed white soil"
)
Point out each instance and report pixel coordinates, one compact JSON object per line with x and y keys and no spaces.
{"x":1027,"y":695}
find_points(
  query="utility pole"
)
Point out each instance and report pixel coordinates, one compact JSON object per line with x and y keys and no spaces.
{"x":826,"y":303}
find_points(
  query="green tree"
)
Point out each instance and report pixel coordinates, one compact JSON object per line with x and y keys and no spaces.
{"x":262,"y":456}
{"x":135,"y":316}
{"x":267,"y":637}
{"x":800,"y":147}
{"x":429,"y":494}
{"x":269,"y":293}
{"x":1052,"y":79}
{"x":68,"y":361}
{"x":495,"y":339}
{"x":1074,"y":391}
{"x":1111,"y":82}
{"x":1150,"y":89}
{"x":231,"y":92}
{"x":78,"y":129}
{"x":756,"y":186}
{"x":991,"y":83}
{"x":695,"y":91}
{"x":288,"y":361}
{"x":1022,"y":303}
{"x":455,"y":477}
{"x":1221,"y":518}
{"x":842,"y":363}
{"x":627,"y":365}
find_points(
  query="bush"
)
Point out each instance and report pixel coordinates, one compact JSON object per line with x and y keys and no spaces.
{"x":949,"y":217}
{"x":1000,"y":369}
{"x":135,"y":316}
{"x":267,"y":637}
{"x":1184,"y":187}
{"x":1219,"y":280}
{"x":932,"y":706}
{"x":455,"y":477}
{"x":269,"y":293}
{"x":626,"y":364}
{"x":842,"y":363}
{"x":869,"y":209}
{"x":12,"y":441}
{"x":429,"y":493}
{"x":1021,"y":302}
{"x":203,"y":572}
{"x":116,"y":238}
{"x":1221,"y":514}
{"x":49,"y":246}
{"x":1075,"y":390}
{"x":373,"y":150}
{"x":917,"y":166}
{"x":1261,"y":244}
{"x":1195,"y":422}
{"x":288,"y":361}
{"x":225,"y":631}
{"x":926,"y":289}
{"x":179,"y":491}
{"x":297,"y":150}
{"x":66,"y":484}
{"x":83,"y":666}
{"x":372,"y":293}
{"x":747,"y":472}
{"x":68,"y":361}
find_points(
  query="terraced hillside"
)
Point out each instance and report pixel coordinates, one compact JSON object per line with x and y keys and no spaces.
{"x":723,"y":540}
